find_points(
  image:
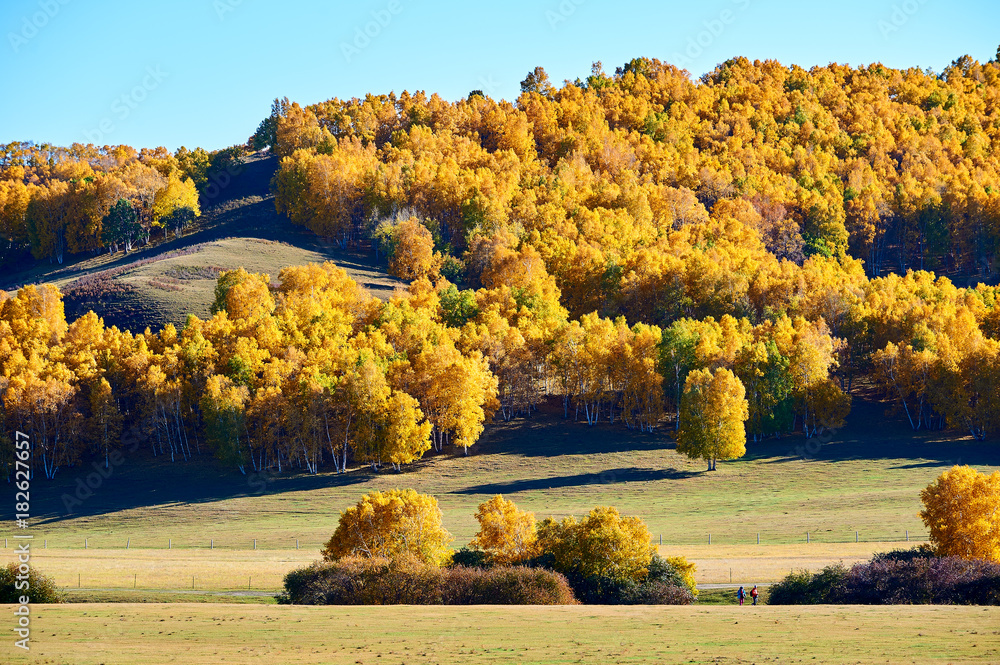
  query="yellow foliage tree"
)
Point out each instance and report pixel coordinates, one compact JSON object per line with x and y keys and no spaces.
{"x":391,"y":524}
{"x":413,"y":254}
{"x":686,"y":570}
{"x":604,"y":543}
{"x":176,"y":204}
{"x":713,"y":412}
{"x":962,"y":511}
{"x":506,"y":534}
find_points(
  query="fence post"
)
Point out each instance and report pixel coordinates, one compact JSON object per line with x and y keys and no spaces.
{"x":169,"y":543}
{"x":296,"y":543}
{"x":907,"y":535}
{"x":85,"y":543}
{"x":807,"y":536}
{"x":249,"y":577}
{"x":709,"y":539}
{"x":135,"y":576}
{"x":127,"y":542}
{"x":758,"y":538}
{"x":212,"y":545}
{"x":856,"y":536}
{"x":255,"y":543}
{"x":192,"y":582}
{"x":661,"y":539}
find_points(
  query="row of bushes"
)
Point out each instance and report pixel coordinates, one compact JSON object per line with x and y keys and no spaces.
{"x":407,"y":581}
{"x":906,"y":577}
{"x":379,"y":581}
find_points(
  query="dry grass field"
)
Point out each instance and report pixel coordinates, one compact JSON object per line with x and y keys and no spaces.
{"x":205,"y":569}
{"x":197,"y":634}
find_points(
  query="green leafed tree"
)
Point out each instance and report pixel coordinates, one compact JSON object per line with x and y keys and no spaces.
{"x":120,"y":227}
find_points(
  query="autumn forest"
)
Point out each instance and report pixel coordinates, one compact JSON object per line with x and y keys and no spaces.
{"x":721,"y":260}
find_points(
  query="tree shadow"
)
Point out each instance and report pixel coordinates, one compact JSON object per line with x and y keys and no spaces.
{"x":547,"y":434}
{"x":606,"y":477}
{"x":142,"y":481}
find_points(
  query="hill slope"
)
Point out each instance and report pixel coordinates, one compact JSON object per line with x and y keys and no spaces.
{"x":165,"y":281}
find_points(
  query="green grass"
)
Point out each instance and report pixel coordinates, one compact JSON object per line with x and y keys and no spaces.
{"x":199,"y":633}
{"x":860,"y":481}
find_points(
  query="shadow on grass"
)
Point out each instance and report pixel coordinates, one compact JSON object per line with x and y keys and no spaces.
{"x":607,"y":477}
{"x":143,"y":481}
{"x":926,"y":452}
{"x":547,"y":434}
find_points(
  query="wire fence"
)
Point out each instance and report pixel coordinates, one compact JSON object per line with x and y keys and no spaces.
{"x":272,"y":543}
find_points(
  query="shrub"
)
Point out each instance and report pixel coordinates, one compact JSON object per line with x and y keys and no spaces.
{"x":922,"y":580}
{"x":516,"y":585}
{"x":894,"y":578}
{"x":662,"y":585}
{"x":657,"y":593}
{"x":803,"y":588}
{"x":471,"y":558}
{"x":369,"y":581}
{"x":41,"y":589}
{"x":922,"y":552}
{"x":407,"y":581}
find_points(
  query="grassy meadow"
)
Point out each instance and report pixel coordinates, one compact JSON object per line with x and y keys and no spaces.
{"x":860,"y":480}
{"x":198,"y":633}
{"x":189,"y":569}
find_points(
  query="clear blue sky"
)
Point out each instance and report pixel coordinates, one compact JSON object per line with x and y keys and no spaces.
{"x":203,"y":72}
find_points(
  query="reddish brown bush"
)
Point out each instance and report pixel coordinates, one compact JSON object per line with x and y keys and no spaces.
{"x":357,"y":581}
{"x":505,"y":586}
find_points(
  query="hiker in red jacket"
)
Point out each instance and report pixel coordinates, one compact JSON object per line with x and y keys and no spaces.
{"x":753,"y":594}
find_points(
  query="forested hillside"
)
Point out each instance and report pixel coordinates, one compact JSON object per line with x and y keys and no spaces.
{"x":598,"y":243}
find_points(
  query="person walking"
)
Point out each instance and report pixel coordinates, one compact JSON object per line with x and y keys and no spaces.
{"x":740,"y":595}
{"x":753,"y":594}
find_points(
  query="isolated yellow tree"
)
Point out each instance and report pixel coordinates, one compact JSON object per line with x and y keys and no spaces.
{"x":506,"y":534}
{"x":962,"y":511}
{"x":713,"y":412}
{"x":391,"y":524}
